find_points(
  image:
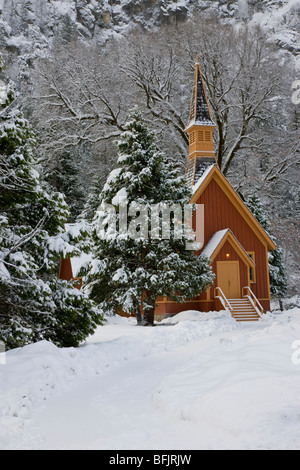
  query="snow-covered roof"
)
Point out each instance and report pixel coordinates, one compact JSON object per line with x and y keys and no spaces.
{"x":214,"y":242}
{"x":203,"y":177}
{"x":200,"y":122}
{"x":236,"y":199}
{"x":217,"y":238}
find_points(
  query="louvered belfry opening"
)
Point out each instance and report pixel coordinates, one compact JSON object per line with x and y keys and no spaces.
{"x":200,"y":130}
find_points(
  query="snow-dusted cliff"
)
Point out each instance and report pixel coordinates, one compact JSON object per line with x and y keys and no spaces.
{"x":29,"y":26}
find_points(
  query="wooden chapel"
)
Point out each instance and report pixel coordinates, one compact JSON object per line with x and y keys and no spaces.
{"x":234,"y":241}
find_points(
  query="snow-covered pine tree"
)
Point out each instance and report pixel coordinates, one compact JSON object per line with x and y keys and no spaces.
{"x":34,"y":304}
{"x":65,"y":177}
{"x":128,"y":272}
{"x":93,"y":200}
{"x":278,"y":280}
{"x":255,"y":205}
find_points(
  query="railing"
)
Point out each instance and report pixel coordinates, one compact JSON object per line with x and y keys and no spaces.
{"x":223,"y":299}
{"x":254,"y":301}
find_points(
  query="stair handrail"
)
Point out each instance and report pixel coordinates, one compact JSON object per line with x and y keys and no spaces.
{"x":224,"y":301}
{"x":254,"y":301}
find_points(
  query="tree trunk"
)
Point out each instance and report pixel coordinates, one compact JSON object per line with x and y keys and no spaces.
{"x":149,"y":318}
{"x":139,"y":318}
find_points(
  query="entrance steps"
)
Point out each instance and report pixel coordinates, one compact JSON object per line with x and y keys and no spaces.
{"x":243,"y":310}
{"x":246,"y":308}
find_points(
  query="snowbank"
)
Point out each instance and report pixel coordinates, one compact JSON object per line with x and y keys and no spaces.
{"x":243,"y":393}
{"x":194,"y":381}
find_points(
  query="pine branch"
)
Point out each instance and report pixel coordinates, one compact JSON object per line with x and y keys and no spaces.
{"x":26,"y":238}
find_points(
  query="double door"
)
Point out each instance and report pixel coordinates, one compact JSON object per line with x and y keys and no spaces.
{"x":228,"y":278}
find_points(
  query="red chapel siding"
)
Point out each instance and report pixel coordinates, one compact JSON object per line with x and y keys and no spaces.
{"x":65,"y":269}
{"x":220,"y":213}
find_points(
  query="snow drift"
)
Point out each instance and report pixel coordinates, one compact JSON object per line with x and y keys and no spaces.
{"x":196,"y":381}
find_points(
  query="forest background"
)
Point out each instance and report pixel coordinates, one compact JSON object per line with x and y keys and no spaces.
{"x":80,"y":66}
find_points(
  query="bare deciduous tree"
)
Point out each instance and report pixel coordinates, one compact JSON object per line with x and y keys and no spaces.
{"x":78,"y":94}
{"x":242,"y":85}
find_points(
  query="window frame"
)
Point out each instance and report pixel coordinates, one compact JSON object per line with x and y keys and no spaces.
{"x":252,"y":271}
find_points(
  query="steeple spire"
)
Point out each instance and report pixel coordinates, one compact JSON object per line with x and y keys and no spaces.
{"x":200,"y":130}
{"x":199,"y":110}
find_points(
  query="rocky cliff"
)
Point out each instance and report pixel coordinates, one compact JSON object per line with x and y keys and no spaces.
{"x":30,"y":26}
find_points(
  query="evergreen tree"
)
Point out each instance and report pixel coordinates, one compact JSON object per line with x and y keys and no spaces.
{"x":65,"y":177}
{"x":93,"y":200}
{"x":131,"y":270}
{"x":255,"y":205}
{"x":278,"y":281}
{"x":34,"y":304}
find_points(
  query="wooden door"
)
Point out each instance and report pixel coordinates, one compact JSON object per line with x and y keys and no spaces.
{"x":228,"y":278}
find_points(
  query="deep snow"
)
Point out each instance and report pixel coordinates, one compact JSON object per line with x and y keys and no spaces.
{"x":196,"y":381}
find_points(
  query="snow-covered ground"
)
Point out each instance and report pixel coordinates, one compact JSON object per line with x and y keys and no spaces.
{"x":198,"y":381}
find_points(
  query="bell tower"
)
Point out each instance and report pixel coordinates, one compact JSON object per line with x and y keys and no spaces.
{"x":200,"y":131}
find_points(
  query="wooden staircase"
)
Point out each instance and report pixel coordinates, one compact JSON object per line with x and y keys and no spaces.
{"x":247,"y":308}
{"x":243,"y":310}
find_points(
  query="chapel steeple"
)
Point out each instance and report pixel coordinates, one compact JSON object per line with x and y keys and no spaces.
{"x":200,"y":130}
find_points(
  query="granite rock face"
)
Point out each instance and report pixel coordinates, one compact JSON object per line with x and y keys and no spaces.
{"x":29,"y":26}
